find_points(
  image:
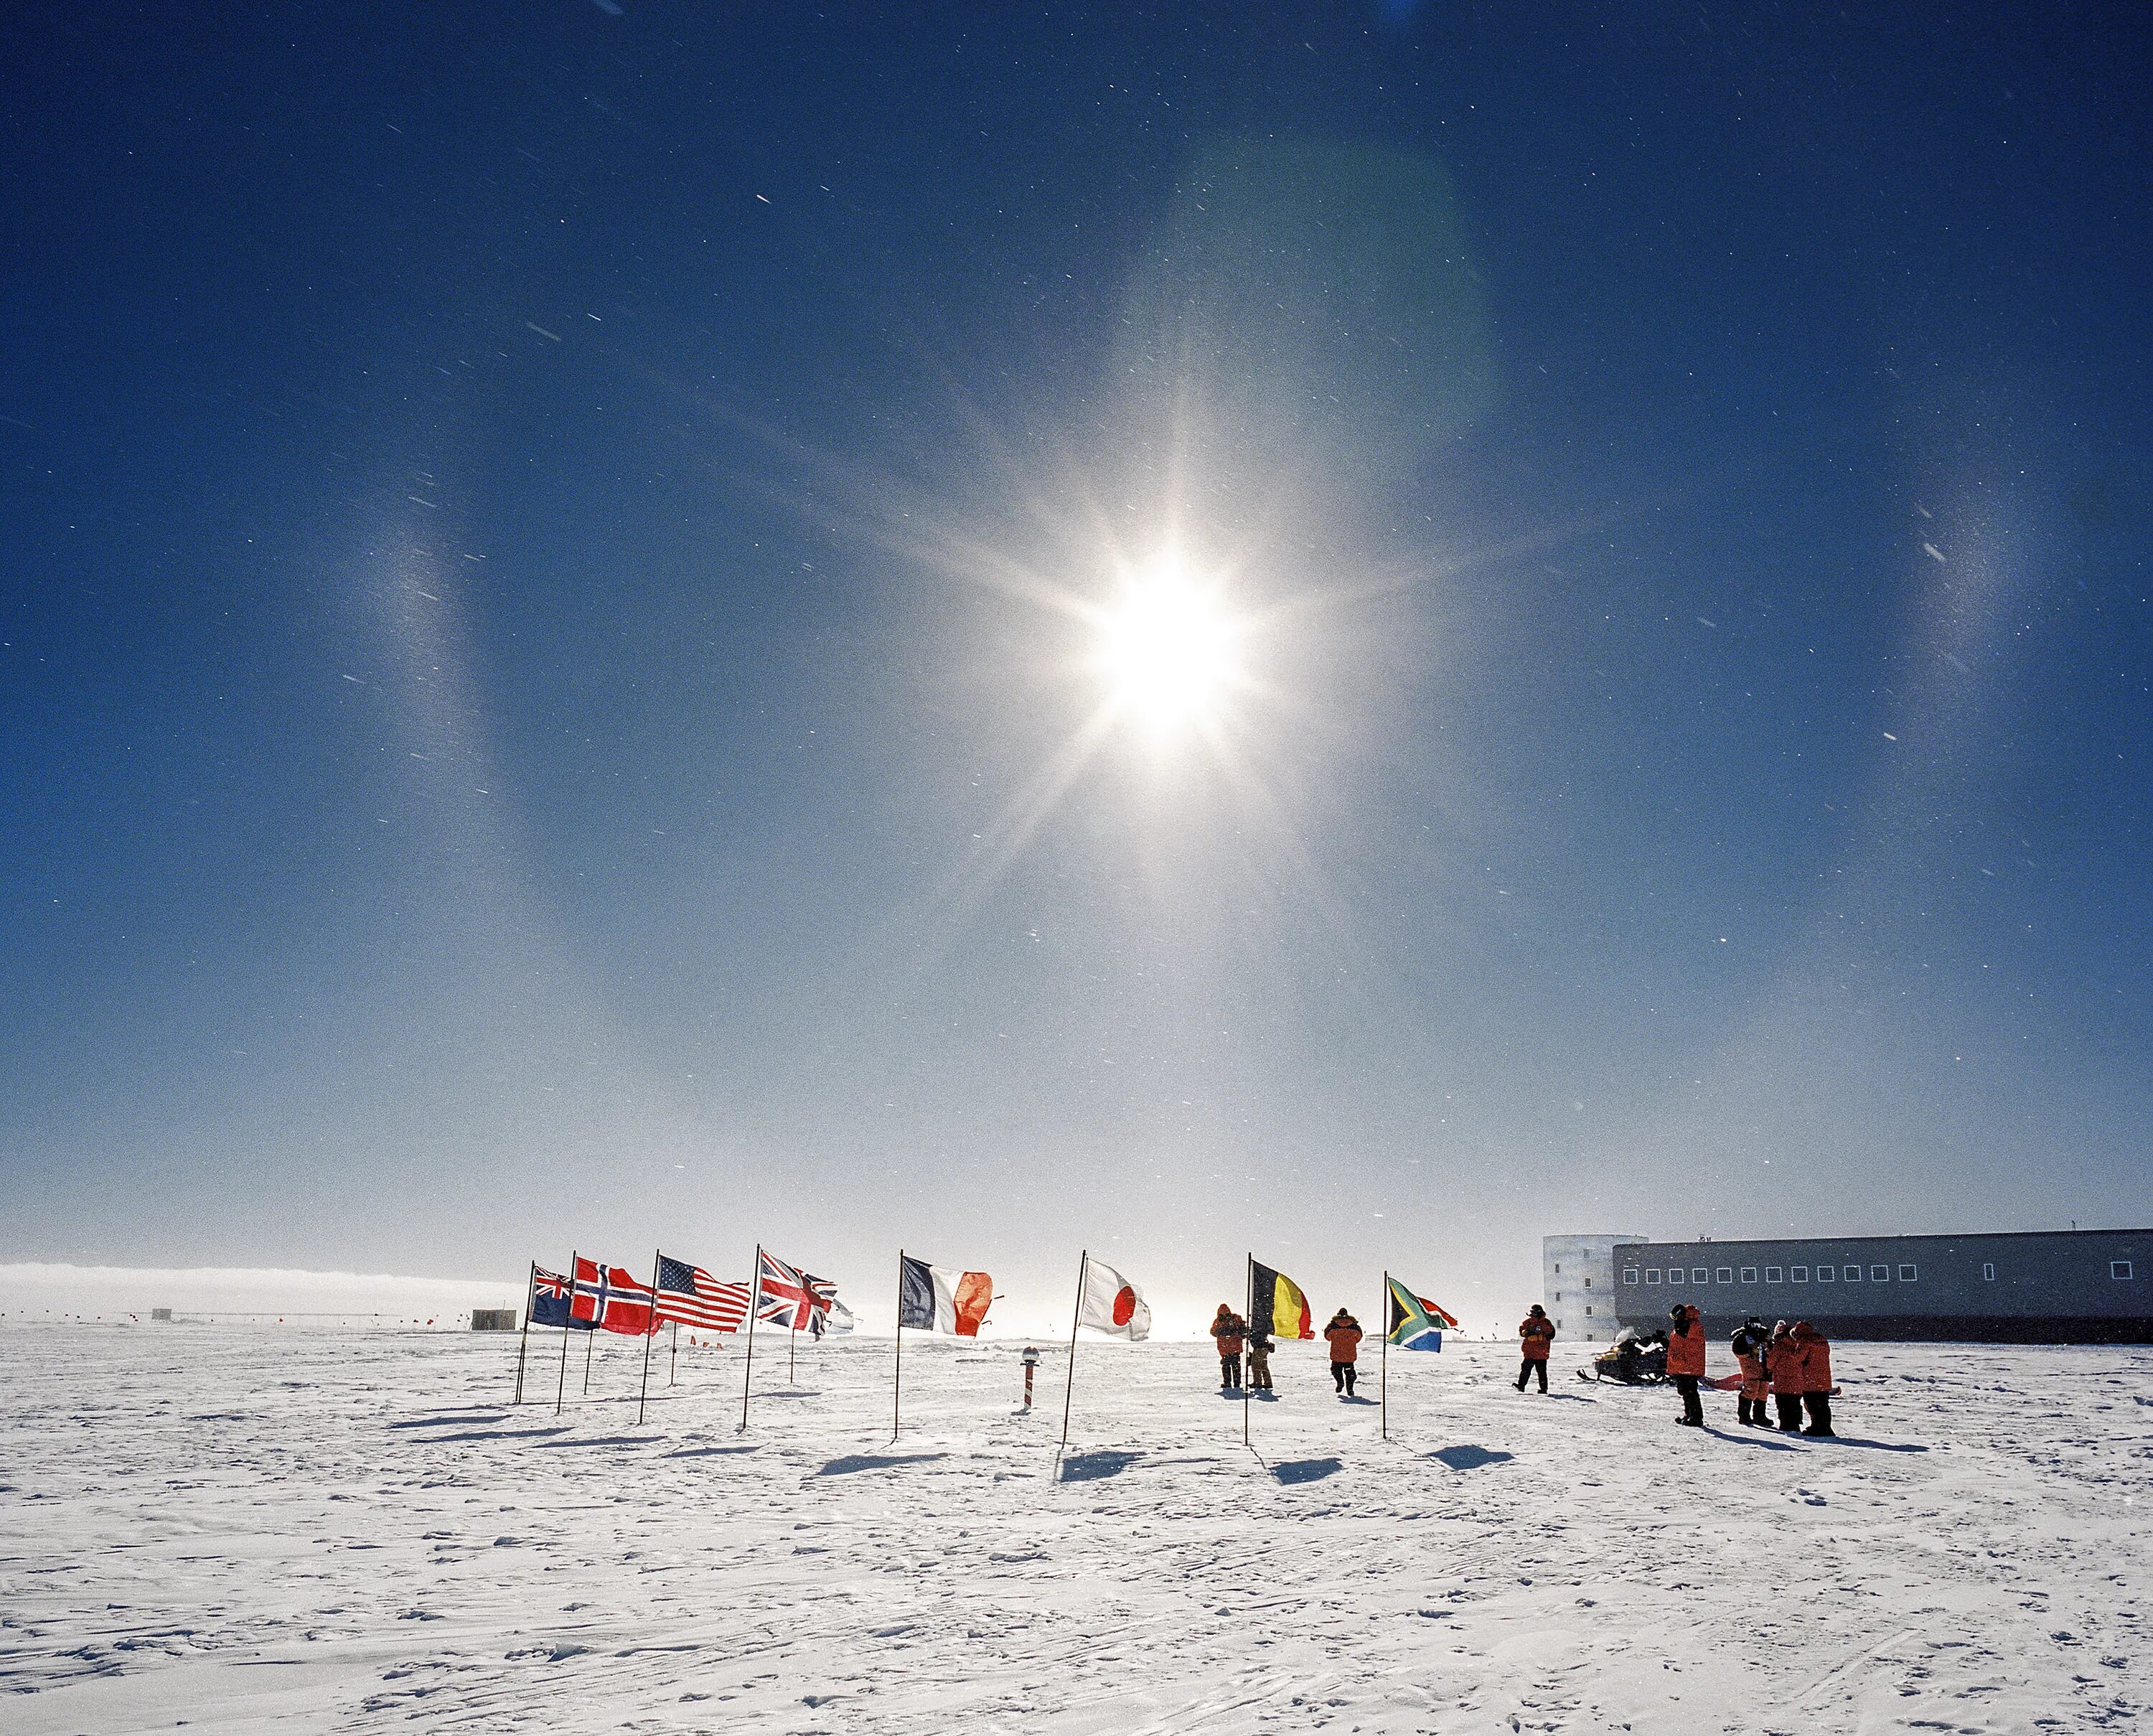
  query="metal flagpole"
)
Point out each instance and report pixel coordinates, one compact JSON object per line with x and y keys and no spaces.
{"x":1383,"y":1380}
{"x":754,"y":1308}
{"x":1069,"y":1387}
{"x":792,"y":1353}
{"x":675,"y":1363}
{"x":523,"y":1343}
{"x":598,"y":1321}
{"x":1248,"y":1327}
{"x":567,"y":1332}
{"x":649,"y":1332}
{"x":897,"y":1384}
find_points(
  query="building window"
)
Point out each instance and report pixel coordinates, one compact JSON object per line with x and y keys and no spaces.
{"x":1880,"y":1275}
{"x":1988,"y":1274}
{"x":1558,"y":1267}
{"x":1588,"y":1284}
{"x":1907,"y":1274}
{"x":1798,"y":1274}
{"x":1825,"y":1274}
{"x":1748,"y":1274}
{"x":1854,"y":1274}
{"x":1588,"y":1311}
{"x":1726,"y":1274}
{"x":1772,"y":1275}
{"x":1651,"y":1274}
{"x":1698,"y":1275}
{"x":2119,"y":1269}
{"x":1629,"y":1275}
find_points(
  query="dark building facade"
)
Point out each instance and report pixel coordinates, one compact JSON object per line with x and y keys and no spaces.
{"x":2066,"y":1286}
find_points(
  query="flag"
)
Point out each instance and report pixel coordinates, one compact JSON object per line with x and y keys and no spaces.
{"x":1415,"y":1323}
{"x":610,"y":1298}
{"x":930,"y":1299}
{"x":1277,"y":1305}
{"x":825,"y":1305}
{"x":1108,"y":1302}
{"x":691,"y":1295}
{"x":787,"y":1297}
{"x":550,"y":1295}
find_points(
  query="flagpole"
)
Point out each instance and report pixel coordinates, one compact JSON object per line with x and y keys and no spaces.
{"x":1248,"y":1326}
{"x":1383,"y":1380}
{"x":897,"y":1383}
{"x":792,"y":1355}
{"x":1069,"y":1386}
{"x":523,"y":1343}
{"x":754,"y":1308}
{"x":561,"y":1391}
{"x":675,"y":1362}
{"x":649,"y":1332}
{"x":598,"y":1321}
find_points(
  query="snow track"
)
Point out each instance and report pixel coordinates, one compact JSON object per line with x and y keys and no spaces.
{"x":248,"y":1530}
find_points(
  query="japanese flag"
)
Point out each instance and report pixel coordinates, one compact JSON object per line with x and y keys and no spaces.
{"x":1109,"y":1303}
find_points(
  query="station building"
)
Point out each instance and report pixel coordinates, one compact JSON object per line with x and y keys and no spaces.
{"x":2064,"y":1286}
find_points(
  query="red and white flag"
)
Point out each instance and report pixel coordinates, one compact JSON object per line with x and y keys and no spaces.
{"x":610,"y":1298}
{"x":1109,"y":1303}
{"x":692,"y":1297}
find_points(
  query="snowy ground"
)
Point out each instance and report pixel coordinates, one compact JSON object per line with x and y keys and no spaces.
{"x":248,"y":1530}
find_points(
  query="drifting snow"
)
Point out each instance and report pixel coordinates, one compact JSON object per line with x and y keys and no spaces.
{"x":256,"y":1530}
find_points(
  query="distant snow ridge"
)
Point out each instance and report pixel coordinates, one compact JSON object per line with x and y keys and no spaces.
{"x":40,"y":1291}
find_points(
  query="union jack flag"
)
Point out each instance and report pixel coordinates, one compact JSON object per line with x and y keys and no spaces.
{"x":611,"y":1299}
{"x":789,"y":1297}
{"x":550,"y":1297}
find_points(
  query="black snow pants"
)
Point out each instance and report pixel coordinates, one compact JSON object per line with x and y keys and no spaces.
{"x":1692,"y":1405}
{"x":1819,"y":1410}
{"x":1529,"y":1366}
{"x":1230,"y":1370}
{"x":1341,"y":1375}
{"x":1790,"y":1410}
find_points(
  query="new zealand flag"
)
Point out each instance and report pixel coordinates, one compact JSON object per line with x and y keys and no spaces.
{"x":549,"y":1301}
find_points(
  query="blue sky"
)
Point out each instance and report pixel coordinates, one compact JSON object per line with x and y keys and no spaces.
{"x":551,"y":690}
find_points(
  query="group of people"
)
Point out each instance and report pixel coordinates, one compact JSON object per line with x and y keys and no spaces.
{"x":1791,"y":1365}
{"x":1236,"y":1340}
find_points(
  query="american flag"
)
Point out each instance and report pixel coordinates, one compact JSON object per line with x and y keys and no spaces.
{"x":789,"y":1297}
{"x":691,"y":1295}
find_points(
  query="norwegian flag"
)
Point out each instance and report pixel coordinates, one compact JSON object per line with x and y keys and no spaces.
{"x":610,"y":1298}
{"x":789,"y":1297}
{"x":691,"y":1295}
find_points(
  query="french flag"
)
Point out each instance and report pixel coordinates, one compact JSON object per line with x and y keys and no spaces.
{"x":930,"y":1299}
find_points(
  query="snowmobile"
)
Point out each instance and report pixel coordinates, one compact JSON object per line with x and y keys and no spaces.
{"x":1633,"y":1361}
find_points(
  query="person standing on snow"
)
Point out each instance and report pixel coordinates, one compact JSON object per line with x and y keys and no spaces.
{"x":1535,"y":1333}
{"x":1259,"y":1362}
{"x":1227,"y":1327}
{"x":1343,"y":1335}
{"x":1816,"y":1378}
{"x":1686,"y":1361}
{"x":1751,"y":1354}
{"x":1785,"y":1363}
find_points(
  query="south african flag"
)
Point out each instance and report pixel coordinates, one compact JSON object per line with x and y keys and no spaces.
{"x":1415,"y":1323}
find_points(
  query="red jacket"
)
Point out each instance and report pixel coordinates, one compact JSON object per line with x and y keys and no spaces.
{"x":1344,"y":1341}
{"x":1537,"y":1332}
{"x":1685,"y":1347}
{"x":1228,"y":1329}
{"x":1787,"y":1362}
{"x":1816,"y":1359}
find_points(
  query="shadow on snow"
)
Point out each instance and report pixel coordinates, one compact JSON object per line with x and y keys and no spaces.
{"x":874,"y":1462}
{"x":1469,"y":1458}
{"x":1307,"y":1470}
{"x":1091,"y":1467}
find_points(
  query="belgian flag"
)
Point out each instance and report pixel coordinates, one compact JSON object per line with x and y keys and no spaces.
{"x":1277,"y":1305}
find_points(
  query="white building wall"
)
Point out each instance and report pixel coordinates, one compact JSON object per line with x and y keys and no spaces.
{"x":1577,"y":1285}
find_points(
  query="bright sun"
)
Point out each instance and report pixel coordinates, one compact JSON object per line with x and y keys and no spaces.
{"x":1167,"y":648}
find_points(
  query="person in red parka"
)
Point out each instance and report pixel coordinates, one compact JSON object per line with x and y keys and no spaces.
{"x":1686,"y":1361}
{"x":1786,"y":1365}
{"x":1229,"y":1328}
{"x":1816,"y":1376}
{"x":1343,"y":1335}
{"x":1535,"y":1333}
{"x":1752,"y":1354}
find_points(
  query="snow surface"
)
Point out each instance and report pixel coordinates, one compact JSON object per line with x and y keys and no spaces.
{"x":250,"y":1529}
